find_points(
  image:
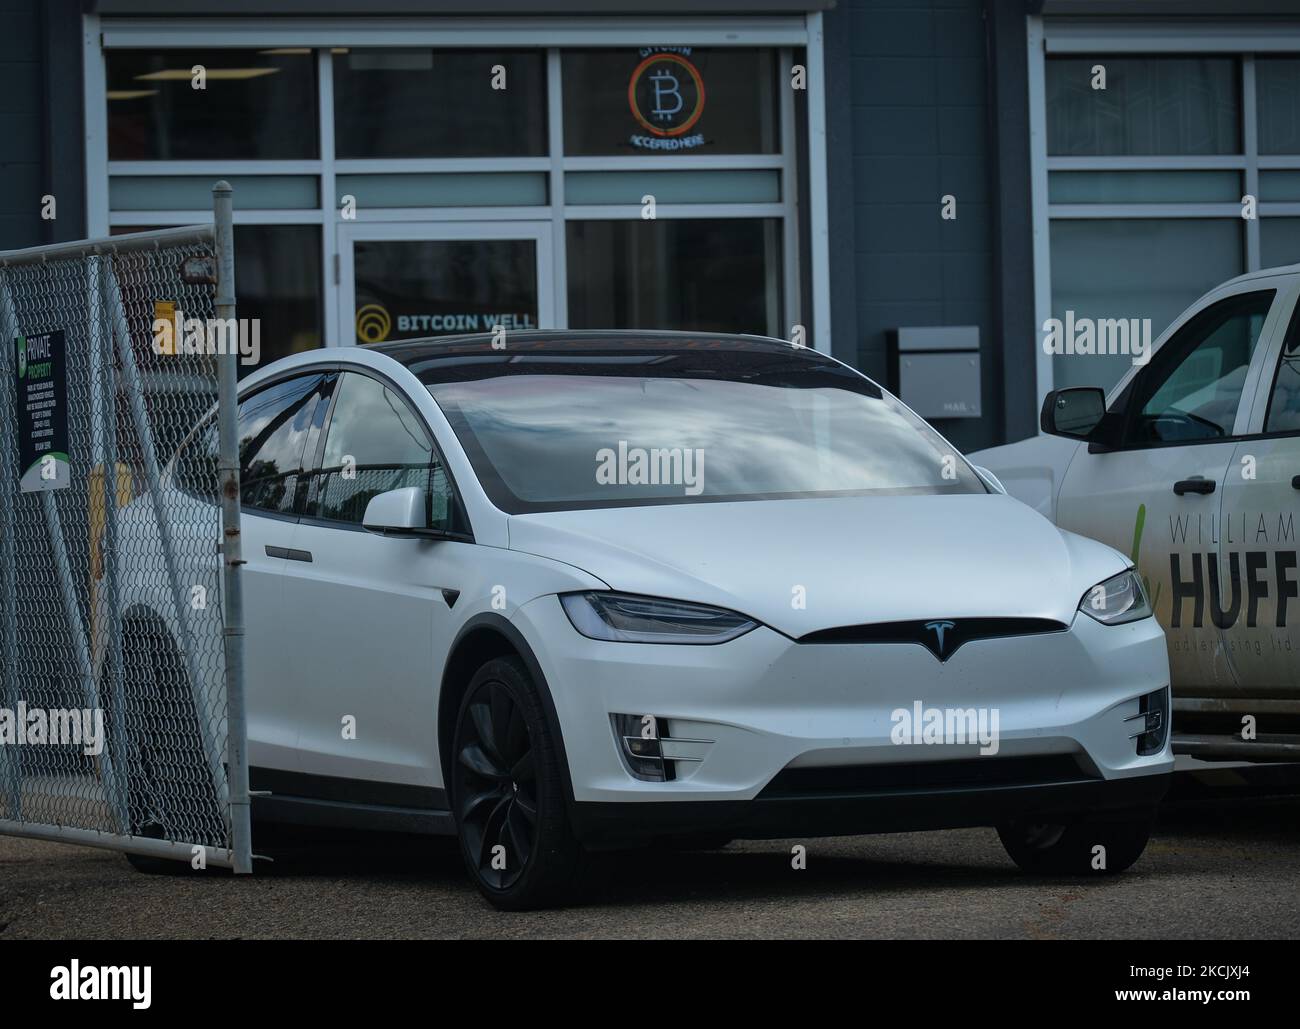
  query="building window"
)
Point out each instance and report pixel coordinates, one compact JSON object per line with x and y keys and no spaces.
{"x":1277,"y":90}
{"x":1147,"y":169}
{"x":1279,"y":242}
{"x":670,"y":100}
{"x":1150,"y":105}
{"x":439,"y":103}
{"x":1126,"y":268}
{"x":709,"y":275}
{"x":278,"y":282}
{"x":406,"y":289}
{"x":187,"y":105}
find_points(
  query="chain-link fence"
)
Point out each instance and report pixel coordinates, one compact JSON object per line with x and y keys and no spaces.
{"x":114,"y":718}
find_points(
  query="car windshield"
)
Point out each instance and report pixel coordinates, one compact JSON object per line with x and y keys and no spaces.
{"x":550,"y":431}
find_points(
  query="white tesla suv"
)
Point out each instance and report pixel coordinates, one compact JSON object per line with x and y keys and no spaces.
{"x":600,"y":588}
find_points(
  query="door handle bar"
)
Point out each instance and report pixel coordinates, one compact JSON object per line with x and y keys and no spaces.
{"x":1197,"y":485}
{"x":288,"y":553}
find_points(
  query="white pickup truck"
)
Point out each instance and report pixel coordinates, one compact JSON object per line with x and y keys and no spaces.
{"x":1191,"y":465}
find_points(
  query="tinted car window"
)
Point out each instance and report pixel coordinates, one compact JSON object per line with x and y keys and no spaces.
{"x":273,"y":427}
{"x":375,"y":443}
{"x":559,"y":431}
{"x":1192,"y":389}
{"x":195,"y":470}
{"x":274,"y":424}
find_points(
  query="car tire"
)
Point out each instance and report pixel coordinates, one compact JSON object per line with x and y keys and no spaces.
{"x":156,"y":866}
{"x":508,"y":792}
{"x":1051,"y":848}
{"x":147,"y":864}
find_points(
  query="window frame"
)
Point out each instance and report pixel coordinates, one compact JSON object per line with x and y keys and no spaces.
{"x":802,"y":159}
{"x":1102,"y":37}
{"x":1268,"y":382}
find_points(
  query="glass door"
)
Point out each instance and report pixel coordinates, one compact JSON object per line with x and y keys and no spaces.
{"x":411,"y":280}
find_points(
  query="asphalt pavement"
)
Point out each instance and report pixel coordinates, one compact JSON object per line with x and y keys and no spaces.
{"x":1223,"y":868}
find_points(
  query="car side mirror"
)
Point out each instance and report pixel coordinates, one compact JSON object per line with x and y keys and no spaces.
{"x":1073,"y":413}
{"x":399,"y":512}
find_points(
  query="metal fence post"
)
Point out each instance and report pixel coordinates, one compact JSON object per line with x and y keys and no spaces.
{"x":107,"y":608}
{"x":231,"y":541}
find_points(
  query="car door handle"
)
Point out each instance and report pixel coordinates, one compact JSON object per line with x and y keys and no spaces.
{"x":288,"y":553}
{"x":1203,"y":486}
{"x":1295,"y":482}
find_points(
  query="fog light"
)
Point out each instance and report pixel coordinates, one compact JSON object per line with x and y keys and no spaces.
{"x":638,"y":742}
{"x":1152,"y":722}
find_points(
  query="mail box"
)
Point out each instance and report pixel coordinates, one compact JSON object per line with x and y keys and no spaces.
{"x":937,"y":370}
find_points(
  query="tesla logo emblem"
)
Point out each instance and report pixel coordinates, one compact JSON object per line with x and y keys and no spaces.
{"x":939,"y":628}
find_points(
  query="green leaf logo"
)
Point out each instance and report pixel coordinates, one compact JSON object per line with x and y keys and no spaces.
{"x":22,"y":356}
{"x":1138,"y":525}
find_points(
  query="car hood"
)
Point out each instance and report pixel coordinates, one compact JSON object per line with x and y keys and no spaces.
{"x":804,"y":565}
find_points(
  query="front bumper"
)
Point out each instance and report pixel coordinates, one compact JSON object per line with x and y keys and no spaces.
{"x":762,"y":712}
{"x":851,"y":813}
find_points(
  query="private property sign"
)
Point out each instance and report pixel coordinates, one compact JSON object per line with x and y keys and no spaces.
{"x":42,"y":394}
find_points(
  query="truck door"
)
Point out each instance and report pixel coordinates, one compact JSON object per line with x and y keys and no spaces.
{"x":1261,"y":506}
{"x":1156,"y":494}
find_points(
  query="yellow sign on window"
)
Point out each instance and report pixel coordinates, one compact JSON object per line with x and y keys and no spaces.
{"x":165,"y":329}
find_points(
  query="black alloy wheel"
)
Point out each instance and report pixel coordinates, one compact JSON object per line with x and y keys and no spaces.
{"x":496,"y":798}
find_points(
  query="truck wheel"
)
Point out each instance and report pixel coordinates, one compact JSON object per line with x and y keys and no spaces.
{"x":1100,"y":847}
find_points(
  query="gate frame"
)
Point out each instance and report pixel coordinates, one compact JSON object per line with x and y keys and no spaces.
{"x":102,"y":340}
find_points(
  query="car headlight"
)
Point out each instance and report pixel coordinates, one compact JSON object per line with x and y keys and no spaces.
{"x":1119,"y":599}
{"x":624,"y":618}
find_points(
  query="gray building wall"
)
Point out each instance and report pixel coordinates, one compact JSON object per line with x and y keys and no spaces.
{"x":916,"y":107}
{"x":22,"y":154}
{"x":41,"y":122}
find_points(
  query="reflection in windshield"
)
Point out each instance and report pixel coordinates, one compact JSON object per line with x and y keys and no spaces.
{"x":597,"y":430}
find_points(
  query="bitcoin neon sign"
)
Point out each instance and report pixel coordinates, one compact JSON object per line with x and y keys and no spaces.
{"x":666,"y":94}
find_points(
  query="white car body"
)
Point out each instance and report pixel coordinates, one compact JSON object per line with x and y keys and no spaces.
{"x":762,"y":735}
{"x":1236,"y":685}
